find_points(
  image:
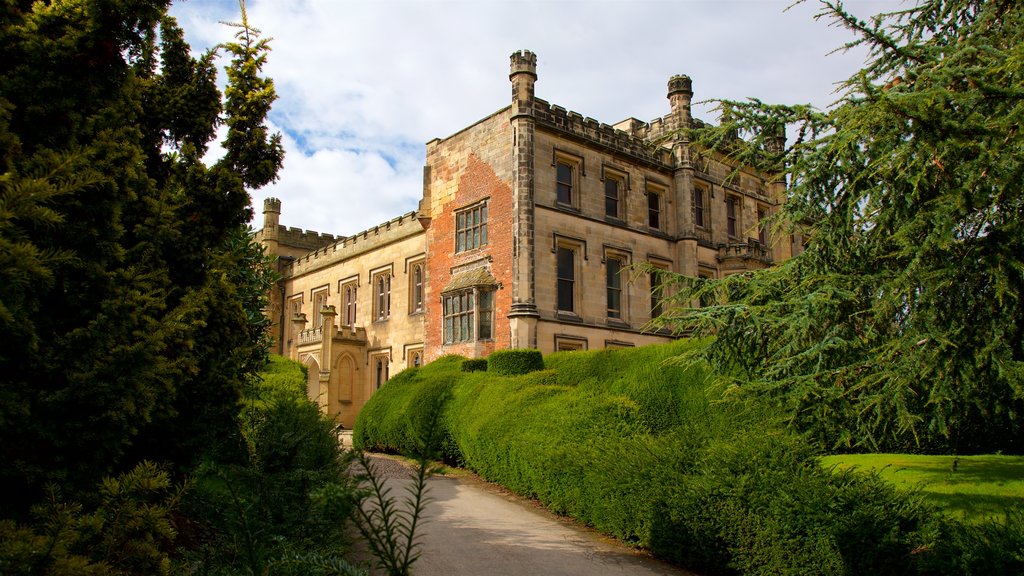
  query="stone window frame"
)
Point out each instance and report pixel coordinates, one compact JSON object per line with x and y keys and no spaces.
{"x":320,"y":297}
{"x":570,"y":343}
{"x":381,"y":289}
{"x":763,"y":213}
{"x":412,"y":353}
{"x":618,"y":344}
{"x":348,"y":296}
{"x":294,"y":306}
{"x":611,"y":173}
{"x":701,"y":214}
{"x":379,"y":361}
{"x":657,"y":295}
{"x":624,"y":257}
{"x":657,"y":213}
{"x":466,"y":321}
{"x":476,"y":231}
{"x":733,"y":223}
{"x":577,"y":167}
{"x":578,"y":247}
{"x":706,"y":272}
{"x":416,"y":269}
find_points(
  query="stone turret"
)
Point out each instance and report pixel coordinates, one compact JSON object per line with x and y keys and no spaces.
{"x":271,"y":236}
{"x":680,"y":94}
{"x":523,"y":74}
{"x":523,"y":313}
{"x":271,"y":213}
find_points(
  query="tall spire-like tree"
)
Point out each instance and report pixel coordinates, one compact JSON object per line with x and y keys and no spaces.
{"x":130,"y":291}
{"x":902,"y":325}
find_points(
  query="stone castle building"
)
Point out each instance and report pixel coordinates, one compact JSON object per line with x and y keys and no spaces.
{"x":528,"y":223}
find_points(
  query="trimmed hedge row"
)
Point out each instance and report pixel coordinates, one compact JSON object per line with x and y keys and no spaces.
{"x":650,"y":453}
{"x":513,"y":362}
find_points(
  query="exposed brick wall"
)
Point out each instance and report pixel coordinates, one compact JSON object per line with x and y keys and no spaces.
{"x":474,"y":180}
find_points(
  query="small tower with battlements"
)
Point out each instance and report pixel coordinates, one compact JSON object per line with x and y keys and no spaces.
{"x":680,"y":94}
{"x":271,"y":222}
{"x":523,"y":313}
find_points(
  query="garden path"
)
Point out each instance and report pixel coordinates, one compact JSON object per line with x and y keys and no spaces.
{"x":476,"y":528}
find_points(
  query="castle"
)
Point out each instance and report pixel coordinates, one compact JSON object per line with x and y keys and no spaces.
{"x":528,"y":223}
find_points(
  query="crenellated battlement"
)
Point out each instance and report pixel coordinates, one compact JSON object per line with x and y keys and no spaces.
{"x":348,"y":246}
{"x":603,"y":135}
{"x":300,"y":238}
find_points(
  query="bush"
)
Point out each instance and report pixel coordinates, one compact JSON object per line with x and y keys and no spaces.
{"x":649,"y":452}
{"x":129,"y":532}
{"x":394,"y":419}
{"x":475,"y":365}
{"x":290,"y":497}
{"x":513,"y":362}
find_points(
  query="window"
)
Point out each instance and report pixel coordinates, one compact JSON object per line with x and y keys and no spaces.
{"x":699,"y":203}
{"x":731,"y":215}
{"x":380,"y":369}
{"x":414,"y":357}
{"x":349,"y":296}
{"x":458,"y":317}
{"x":564,"y":176}
{"x":471,"y":228}
{"x":485,"y":314}
{"x":613,"y":267}
{"x":566,"y":279}
{"x":705,"y":299}
{"x":466,"y":313}
{"x":319,"y":301}
{"x":612,"y":197}
{"x":762,"y":232}
{"x":564,"y":343}
{"x":382,"y":296}
{"x":656,"y":295}
{"x":294,"y":307}
{"x":416,"y":288}
{"x":654,"y":210}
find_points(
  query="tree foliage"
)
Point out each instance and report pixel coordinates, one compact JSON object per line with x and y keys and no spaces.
{"x":901,"y":325}
{"x":130,"y":290}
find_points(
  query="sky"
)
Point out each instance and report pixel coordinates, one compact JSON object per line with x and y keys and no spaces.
{"x":363,"y":85}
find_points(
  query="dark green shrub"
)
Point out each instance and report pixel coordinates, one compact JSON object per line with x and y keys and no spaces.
{"x":130,"y":531}
{"x":475,"y":365}
{"x":393,"y":419}
{"x":513,"y":362}
{"x":289,"y":498}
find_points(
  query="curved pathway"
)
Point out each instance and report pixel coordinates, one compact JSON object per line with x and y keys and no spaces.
{"x":475,"y":528}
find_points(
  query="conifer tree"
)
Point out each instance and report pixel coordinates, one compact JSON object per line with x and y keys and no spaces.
{"x":901,"y":326}
{"x":130,"y":291}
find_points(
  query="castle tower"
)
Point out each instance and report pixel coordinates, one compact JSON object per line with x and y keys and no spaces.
{"x":680,"y":95}
{"x":271,"y":221}
{"x":523,"y":313}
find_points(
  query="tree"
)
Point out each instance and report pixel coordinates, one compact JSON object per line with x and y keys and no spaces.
{"x":130,"y":291}
{"x":901,"y":326}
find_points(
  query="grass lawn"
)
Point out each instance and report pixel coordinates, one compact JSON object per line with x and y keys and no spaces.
{"x":980,"y":487}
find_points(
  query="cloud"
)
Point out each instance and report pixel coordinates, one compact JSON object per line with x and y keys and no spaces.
{"x":364,"y":84}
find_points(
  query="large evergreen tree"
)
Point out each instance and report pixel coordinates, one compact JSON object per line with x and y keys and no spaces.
{"x":902,"y":324}
{"x":130,"y":291}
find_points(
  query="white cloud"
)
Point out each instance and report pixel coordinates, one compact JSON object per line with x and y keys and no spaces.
{"x":364,"y":84}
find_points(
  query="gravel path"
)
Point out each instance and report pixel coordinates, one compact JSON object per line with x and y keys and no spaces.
{"x":476,"y":528}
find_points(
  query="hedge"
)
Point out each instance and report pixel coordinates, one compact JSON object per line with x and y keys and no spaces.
{"x":655,"y":454}
{"x":515,"y":361}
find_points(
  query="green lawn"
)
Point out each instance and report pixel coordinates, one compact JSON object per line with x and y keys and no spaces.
{"x":980,"y":487}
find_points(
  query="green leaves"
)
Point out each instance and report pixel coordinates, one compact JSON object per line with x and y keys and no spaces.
{"x":900,"y":326}
{"x":131,"y":291}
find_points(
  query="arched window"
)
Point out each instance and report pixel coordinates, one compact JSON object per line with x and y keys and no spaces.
{"x":417,"y":288}
{"x":382,"y":296}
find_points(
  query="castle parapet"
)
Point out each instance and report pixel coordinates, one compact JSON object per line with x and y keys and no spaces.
{"x":348,"y":246}
{"x":603,"y":135}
